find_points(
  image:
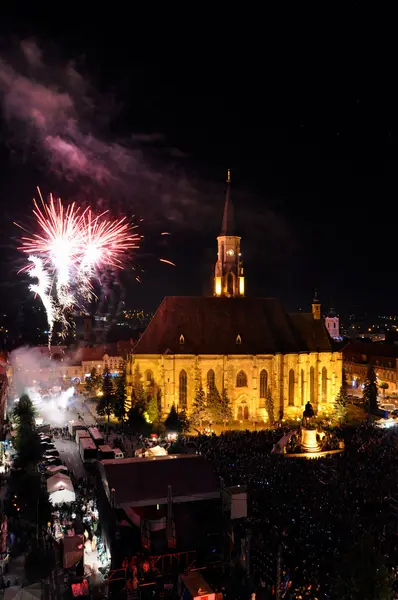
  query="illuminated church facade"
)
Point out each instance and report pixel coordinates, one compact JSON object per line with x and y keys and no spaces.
{"x":248,"y":346}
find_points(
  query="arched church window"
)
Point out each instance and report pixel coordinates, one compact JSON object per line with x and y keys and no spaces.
{"x":312,"y":385}
{"x":182,"y":340}
{"x":302,"y":388}
{"x":148,"y":376}
{"x":238,"y":339}
{"x":211,"y":380}
{"x":183,"y":391}
{"x":324,"y":385}
{"x":241,"y":379}
{"x":263,"y":383}
{"x":291,"y":387}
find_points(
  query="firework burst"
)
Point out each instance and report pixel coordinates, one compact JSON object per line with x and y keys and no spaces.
{"x":70,"y":249}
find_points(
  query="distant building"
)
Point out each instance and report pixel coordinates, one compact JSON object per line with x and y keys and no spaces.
{"x":384,"y":357}
{"x":244,"y":345}
{"x":332,"y":322}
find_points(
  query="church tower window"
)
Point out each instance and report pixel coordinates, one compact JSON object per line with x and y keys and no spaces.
{"x":291,"y":387}
{"x":241,"y":379}
{"x":211,"y":380}
{"x":182,"y":340}
{"x":183,"y":391}
{"x":238,"y":339}
{"x":263,"y":383}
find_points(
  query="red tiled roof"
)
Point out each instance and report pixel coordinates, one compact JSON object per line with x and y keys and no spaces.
{"x":212,"y":326}
{"x":140,"y":480}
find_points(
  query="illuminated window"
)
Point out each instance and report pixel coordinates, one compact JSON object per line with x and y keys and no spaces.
{"x":263,"y":383}
{"x":312,"y":385}
{"x":238,"y":339}
{"x":324,"y":384}
{"x":183,"y":391}
{"x":291,"y":387}
{"x":211,"y":380}
{"x":182,"y":339}
{"x":241,"y":379}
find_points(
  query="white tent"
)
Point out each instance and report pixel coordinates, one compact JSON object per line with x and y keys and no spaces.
{"x":157,"y":451}
{"x":60,"y":489}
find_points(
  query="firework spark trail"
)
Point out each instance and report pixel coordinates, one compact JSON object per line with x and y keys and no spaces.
{"x":42,"y":289}
{"x":72,"y":248}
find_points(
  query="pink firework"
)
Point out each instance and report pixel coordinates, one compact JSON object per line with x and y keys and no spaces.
{"x":61,"y":229}
{"x":105,"y":242}
{"x":70,"y":249}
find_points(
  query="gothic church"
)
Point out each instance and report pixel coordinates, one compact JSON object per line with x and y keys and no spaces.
{"x":245,"y":345}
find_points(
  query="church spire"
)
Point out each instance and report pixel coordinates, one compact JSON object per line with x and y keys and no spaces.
{"x":316,"y":307}
{"x":228,"y":226}
{"x":229,"y":280}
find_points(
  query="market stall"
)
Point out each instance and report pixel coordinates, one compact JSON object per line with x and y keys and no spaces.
{"x":60,"y":489}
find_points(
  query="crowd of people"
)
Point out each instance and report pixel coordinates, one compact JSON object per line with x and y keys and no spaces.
{"x":310,"y":514}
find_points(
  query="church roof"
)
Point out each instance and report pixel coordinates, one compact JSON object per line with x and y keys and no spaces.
{"x":200,"y":325}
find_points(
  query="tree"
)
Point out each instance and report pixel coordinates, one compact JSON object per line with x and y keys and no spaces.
{"x":152,"y":409}
{"x":138,"y":395}
{"x":269,"y":407}
{"x":213,"y":405}
{"x":370,"y":390}
{"x":384,"y":386}
{"x":172,"y":422}
{"x":137,"y":420}
{"x":24,"y":412}
{"x":340,"y":405}
{"x":106,"y":404}
{"x":93,"y":382}
{"x":184,"y":421}
{"x":199,"y":411}
{"x":120,"y":397}
{"x":224,"y":408}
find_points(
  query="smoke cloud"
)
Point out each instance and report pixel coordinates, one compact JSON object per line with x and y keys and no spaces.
{"x":61,"y":115}
{"x":34,"y":372}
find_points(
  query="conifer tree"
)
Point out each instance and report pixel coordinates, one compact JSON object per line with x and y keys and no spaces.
{"x":340,"y":406}
{"x":120,"y":397}
{"x":269,"y":407}
{"x":225,"y":408}
{"x":370,"y":390}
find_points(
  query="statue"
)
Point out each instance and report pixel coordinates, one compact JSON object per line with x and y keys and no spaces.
{"x":308,"y":411}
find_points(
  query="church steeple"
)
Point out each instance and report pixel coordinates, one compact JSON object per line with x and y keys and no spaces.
{"x":228,"y":225}
{"x":316,"y":307}
{"x":229,"y":280}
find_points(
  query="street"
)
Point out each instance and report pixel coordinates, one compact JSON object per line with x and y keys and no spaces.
{"x":69,"y":454}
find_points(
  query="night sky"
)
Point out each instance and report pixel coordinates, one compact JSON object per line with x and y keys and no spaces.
{"x":313,"y":157}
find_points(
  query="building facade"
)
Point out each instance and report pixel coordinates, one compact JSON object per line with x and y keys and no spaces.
{"x":249,"y":347}
{"x":384,"y":357}
{"x":332,"y":322}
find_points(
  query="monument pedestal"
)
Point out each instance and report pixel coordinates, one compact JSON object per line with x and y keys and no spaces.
{"x":309,"y":442}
